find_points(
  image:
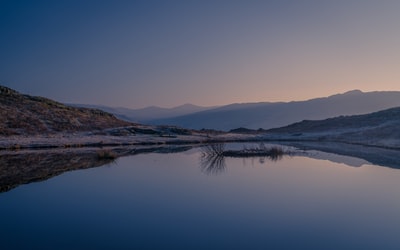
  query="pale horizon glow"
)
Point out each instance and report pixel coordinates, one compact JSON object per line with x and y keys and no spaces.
{"x":136,"y":54}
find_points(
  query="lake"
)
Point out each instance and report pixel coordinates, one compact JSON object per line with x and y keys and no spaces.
{"x":176,"y":200}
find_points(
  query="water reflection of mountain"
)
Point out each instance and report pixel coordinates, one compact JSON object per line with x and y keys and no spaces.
{"x":24,"y":167}
{"x":373,"y":155}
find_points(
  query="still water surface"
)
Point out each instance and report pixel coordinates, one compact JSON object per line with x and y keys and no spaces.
{"x":170,"y":201}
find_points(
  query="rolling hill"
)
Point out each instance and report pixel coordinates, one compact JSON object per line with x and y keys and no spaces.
{"x":380,"y":128}
{"x":30,"y":115}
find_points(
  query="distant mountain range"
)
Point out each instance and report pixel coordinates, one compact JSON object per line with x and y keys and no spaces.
{"x":268,"y":115}
{"x":263,"y":115}
{"x":148,"y":114}
{"x":30,"y":115}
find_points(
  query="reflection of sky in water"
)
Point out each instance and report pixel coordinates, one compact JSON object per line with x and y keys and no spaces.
{"x":165,"y":201}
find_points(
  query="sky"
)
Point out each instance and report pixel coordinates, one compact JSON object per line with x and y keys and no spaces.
{"x":166,"y":53}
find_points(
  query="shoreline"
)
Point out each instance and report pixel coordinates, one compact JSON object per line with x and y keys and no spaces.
{"x":124,"y":137}
{"x":98,"y":141}
{"x":88,"y":140}
{"x":48,"y":156}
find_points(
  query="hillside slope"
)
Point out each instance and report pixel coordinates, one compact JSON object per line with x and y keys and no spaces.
{"x":272,"y":115}
{"x":28,"y":115}
{"x":380,"y":128}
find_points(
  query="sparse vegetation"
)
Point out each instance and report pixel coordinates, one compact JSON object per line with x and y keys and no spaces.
{"x":212,"y":160}
{"x":106,"y":154}
{"x":213,"y":156}
{"x":218,"y":149}
{"x":29,"y":115}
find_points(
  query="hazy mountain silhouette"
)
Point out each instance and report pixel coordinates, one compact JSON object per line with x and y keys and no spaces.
{"x":271,"y":115}
{"x":148,"y":114}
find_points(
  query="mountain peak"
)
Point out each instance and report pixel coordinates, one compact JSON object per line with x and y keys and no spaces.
{"x":353,"y":92}
{"x":186,"y":105}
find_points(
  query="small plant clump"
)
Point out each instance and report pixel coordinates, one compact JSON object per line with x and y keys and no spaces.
{"x":216,"y":149}
{"x":106,"y":154}
{"x":213,"y":156}
{"x":273,"y":152}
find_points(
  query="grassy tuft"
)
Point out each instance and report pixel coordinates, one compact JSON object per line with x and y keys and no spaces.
{"x":106,"y":154}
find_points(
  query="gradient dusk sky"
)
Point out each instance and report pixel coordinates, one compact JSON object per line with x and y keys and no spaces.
{"x":166,"y":53}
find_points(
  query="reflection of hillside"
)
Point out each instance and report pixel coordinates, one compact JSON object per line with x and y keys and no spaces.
{"x":374,"y":155}
{"x":18,"y":168}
